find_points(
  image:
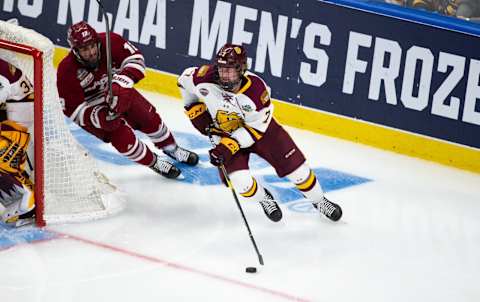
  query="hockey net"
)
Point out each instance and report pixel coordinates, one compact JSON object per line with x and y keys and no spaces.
{"x":68,"y":185}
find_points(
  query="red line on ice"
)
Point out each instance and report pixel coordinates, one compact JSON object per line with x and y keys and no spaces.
{"x":180,"y":267}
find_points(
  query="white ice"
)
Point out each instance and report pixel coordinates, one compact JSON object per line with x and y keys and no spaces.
{"x":412,"y":233}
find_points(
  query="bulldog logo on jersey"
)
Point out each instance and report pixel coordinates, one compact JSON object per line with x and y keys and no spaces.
{"x":228,"y":121}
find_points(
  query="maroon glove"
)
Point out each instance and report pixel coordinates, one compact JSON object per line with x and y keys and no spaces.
{"x":102,"y":118}
{"x":121,"y":93}
{"x":201,"y":119}
{"x":224,"y":151}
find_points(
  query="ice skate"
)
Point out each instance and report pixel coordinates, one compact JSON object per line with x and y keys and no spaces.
{"x":330,"y":209}
{"x":183,"y":155}
{"x":165,"y":168}
{"x":270,"y":207}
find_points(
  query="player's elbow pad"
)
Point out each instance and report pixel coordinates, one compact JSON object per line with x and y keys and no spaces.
{"x":199,"y":116}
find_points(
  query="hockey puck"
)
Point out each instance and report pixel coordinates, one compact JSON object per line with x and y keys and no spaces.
{"x":251,"y":269}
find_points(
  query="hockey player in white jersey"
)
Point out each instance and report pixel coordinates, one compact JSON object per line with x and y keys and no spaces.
{"x":16,"y":187}
{"x":234,"y":105}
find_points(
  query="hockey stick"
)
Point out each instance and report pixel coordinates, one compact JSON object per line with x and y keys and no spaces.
{"x":108,"y":50}
{"x":235,"y":197}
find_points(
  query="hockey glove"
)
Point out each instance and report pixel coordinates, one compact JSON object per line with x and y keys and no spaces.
{"x":101,"y":118}
{"x":199,"y":117}
{"x":121,"y":93}
{"x":224,"y":151}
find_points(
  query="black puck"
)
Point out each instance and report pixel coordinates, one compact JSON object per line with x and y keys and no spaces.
{"x":251,"y":269}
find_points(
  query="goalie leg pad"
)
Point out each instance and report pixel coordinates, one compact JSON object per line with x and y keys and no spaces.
{"x":16,"y":198}
{"x":14,"y":141}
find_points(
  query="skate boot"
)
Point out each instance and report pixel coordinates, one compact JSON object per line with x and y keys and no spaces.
{"x":183,"y":155}
{"x":21,"y":220}
{"x":165,"y":168}
{"x":270,"y":207}
{"x":330,"y":209}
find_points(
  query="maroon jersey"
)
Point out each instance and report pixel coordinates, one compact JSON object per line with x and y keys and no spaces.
{"x":80,"y":88}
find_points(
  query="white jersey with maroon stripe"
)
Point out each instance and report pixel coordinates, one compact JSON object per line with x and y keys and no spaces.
{"x":16,"y":93}
{"x":245,"y":115}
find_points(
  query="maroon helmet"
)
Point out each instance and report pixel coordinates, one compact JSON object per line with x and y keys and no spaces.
{"x":231,"y":55}
{"x":80,"y":35}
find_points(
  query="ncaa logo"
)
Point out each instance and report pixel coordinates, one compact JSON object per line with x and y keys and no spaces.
{"x":206,"y":175}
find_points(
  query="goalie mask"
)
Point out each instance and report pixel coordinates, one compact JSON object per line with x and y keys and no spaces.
{"x":231,"y":64}
{"x":85,"y":44}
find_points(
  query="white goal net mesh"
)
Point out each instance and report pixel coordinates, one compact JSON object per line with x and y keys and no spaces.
{"x":74,"y":190}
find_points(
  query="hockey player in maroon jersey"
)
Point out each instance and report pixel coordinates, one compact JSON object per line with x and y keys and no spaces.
{"x":17,"y":200}
{"x":234,"y":104}
{"x":82,"y":86}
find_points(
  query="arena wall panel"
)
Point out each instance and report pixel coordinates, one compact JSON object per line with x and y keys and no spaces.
{"x":396,"y":79}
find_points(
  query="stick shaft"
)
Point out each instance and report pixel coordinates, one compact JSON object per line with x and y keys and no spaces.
{"x":108,"y":50}
{"x":235,"y":197}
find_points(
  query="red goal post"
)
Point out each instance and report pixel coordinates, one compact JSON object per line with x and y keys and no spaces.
{"x":37,"y":57}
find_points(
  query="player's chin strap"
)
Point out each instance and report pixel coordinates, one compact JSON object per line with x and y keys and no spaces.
{"x":235,"y":197}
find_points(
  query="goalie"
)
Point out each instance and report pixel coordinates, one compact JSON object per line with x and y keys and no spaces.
{"x":16,"y":187}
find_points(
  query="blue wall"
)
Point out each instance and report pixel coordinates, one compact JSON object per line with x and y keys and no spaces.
{"x":376,"y":63}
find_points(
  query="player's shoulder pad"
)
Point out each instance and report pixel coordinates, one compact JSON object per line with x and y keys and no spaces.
{"x":69,"y":62}
{"x":256,"y":89}
{"x":204,"y":74}
{"x":115,"y":38}
{"x":67,"y":69}
{"x":9,"y":71}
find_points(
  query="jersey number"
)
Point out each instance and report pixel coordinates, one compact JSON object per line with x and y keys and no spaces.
{"x":26,"y":87}
{"x":130,"y":47}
